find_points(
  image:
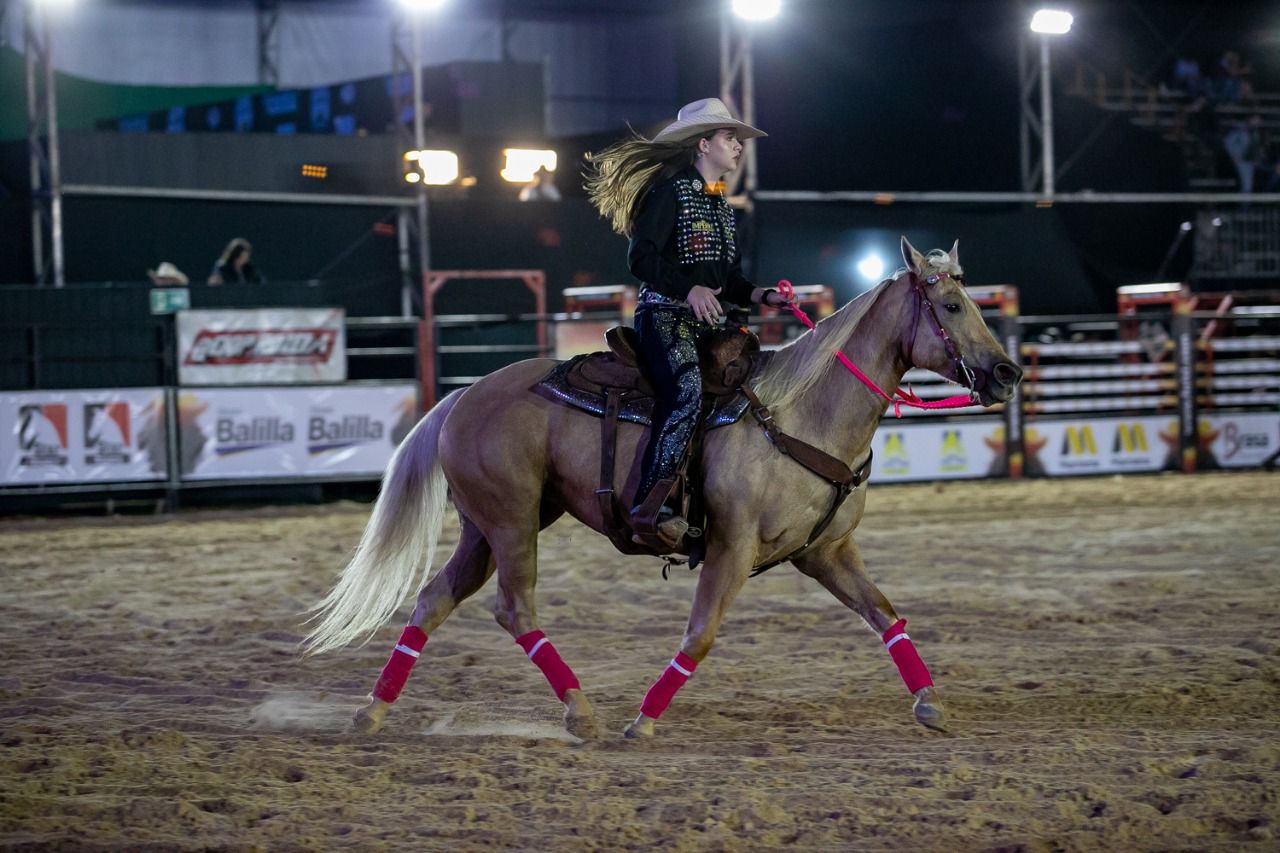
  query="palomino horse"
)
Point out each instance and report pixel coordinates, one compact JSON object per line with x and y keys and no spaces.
{"x":513,"y":463}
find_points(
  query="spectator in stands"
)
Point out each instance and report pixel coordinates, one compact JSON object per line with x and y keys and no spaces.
{"x":1243,"y":143}
{"x":233,"y":266}
{"x":1229,"y":84}
{"x":167,"y":275}
{"x":1187,"y":77}
{"x":542,"y":188}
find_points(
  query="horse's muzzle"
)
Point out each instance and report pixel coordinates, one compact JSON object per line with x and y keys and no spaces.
{"x":1002,"y":381}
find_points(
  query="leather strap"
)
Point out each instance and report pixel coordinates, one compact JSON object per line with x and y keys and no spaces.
{"x":833,"y":470}
{"x":609,"y":517}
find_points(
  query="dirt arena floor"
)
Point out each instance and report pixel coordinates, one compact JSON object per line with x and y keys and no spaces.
{"x":1109,"y":650}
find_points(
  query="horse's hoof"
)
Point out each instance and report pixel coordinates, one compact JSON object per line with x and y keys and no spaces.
{"x":641,"y":727}
{"x":579,"y":719}
{"x":929,"y":711}
{"x":369,"y":718}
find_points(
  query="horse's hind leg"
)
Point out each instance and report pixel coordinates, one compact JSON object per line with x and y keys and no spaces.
{"x":465,"y":573}
{"x":839,"y":568}
{"x":516,"y":554}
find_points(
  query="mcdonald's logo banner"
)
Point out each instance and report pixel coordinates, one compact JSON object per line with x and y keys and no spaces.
{"x":1104,"y":445}
{"x":906,"y":452}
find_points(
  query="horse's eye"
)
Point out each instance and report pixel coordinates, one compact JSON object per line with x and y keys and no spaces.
{"x":952,"y":307}
{"x":933,"y":279}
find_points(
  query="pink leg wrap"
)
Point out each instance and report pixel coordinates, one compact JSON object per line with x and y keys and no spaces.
{"x":402,"y":659}
{"x":541,"y":652}
{"x":904,"y":654}
{"x":664,"y":689}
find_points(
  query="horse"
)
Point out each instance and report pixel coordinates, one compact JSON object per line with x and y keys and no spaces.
{"x":513,"y":462}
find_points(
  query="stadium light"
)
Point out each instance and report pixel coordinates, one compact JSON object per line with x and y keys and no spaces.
{"x":422,"y":5}
{"x":1052,"y":22}
{"x":871,"y":267}
{"x":1048,"y":23}
{"x":757,"y":10}
{"x":435,"y":167}
{"x":522,"y":163}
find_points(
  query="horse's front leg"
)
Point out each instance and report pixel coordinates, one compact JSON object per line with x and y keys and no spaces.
{"x":839,"y":568}
{"x":722,"y":577}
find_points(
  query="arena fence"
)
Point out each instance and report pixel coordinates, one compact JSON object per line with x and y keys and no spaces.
{"x":1165,"y":388}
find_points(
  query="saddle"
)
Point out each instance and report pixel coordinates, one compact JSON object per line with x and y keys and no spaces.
{"x":612,"y":386}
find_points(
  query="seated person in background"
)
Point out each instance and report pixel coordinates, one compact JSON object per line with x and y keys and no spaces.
{"x":543,"y":187}
{"x":233,"y":266}
{"x":167,"y":275}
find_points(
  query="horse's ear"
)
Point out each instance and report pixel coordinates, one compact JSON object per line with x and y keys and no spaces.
{"x":954,"y":254}
{"x":913,"y":259}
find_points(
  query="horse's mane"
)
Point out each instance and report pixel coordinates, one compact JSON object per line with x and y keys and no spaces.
{"x":798,"y":366}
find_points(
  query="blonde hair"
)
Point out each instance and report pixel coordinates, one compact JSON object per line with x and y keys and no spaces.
{"x":617,"y":178}
{"x":234,"y":249}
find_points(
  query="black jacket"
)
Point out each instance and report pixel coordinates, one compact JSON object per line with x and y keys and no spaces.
{"x":685,"y":236}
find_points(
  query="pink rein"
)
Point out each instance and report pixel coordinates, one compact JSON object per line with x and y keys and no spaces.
{"x":905,"y":398}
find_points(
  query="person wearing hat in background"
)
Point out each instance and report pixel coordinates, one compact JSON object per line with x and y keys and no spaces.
{"x":167,"y":275}
{"x":667,"y":196}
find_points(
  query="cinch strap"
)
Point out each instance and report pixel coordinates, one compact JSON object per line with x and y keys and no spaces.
{"x":903,"y":652}
{"x":546,"y":658}
{"x":402,"y":659}
{"x":664,"y":689}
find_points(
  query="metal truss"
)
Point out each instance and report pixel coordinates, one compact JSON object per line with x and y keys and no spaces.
{"x":42,"y":149}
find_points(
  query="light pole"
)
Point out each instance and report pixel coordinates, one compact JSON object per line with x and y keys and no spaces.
{"x":414,"y":10}
{"x":737,"y":70}
{"x":1047,"y":23}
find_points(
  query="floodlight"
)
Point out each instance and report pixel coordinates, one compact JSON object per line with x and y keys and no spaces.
{"x":1052,"y":22}
{"x":422,"y":5}
{"x":522,"y":163}
{"x":757,"y":10}
{"x":431,"y":167}
{"x":871,"y":267}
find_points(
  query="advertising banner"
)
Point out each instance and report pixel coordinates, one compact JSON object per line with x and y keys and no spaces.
{"x":82,"y":436}
{"x":274,"y":346}
{"x":1238,"y":441}
{"x":1102,"y":445}
{"x":232,"y":433}
{"x":904,"y":452}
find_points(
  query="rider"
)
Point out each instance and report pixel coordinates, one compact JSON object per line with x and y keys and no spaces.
{"x":667,"y":196}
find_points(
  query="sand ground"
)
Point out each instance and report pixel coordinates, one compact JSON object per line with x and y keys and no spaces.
{"x":1109,"y":651}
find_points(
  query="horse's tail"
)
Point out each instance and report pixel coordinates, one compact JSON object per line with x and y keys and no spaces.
{"x":398,"y":542}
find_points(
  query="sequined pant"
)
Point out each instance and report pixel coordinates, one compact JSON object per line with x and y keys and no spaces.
{"x":669,"y":346}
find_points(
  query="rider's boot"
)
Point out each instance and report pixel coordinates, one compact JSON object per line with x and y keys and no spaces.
{"x":656,"y":525}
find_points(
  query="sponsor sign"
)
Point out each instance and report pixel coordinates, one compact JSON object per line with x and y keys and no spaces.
{"x":1103,"y":445}
{"x":262,"y":346}
{"x":82,"y":436}
{"x":1241,"y":441}
{"x":939,"y":451}
{"x":292,"y":432}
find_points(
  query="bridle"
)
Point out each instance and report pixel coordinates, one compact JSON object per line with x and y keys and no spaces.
{"x":973,"y":380}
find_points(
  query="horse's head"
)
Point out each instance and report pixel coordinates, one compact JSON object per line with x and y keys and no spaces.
{"x":947,"y":333}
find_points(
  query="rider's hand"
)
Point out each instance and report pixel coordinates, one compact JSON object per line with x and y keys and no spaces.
{"x":704,"y":303}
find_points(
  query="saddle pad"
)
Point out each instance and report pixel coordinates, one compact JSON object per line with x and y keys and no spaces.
{"x":571,"y":383}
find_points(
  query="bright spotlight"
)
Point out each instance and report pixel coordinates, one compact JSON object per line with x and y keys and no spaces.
{"x":871,"y":267}
{"x":431,"y":167}
{"x":422,"y":5}
{"x":523,"y":162}
{"x":1053,"y":22}
{"x":757,"y":10}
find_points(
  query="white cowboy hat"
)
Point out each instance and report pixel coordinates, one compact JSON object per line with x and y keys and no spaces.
{"x":702,"y":118}
{"x":167,"y":273}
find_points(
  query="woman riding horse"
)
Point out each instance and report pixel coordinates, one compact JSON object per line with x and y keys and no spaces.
{"x":667,"y":195}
